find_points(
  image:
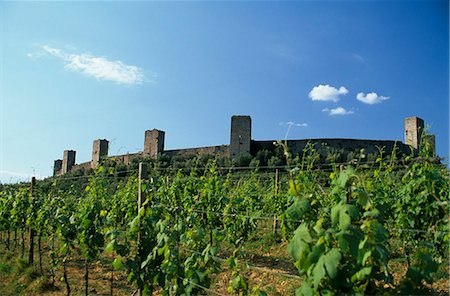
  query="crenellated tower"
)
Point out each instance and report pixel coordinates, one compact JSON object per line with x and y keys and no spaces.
{"x":153,"y":143}
{"x":241,"y":135}
{"x":99,"y":151}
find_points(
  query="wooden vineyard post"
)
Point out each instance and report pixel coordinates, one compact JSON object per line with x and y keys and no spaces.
{"x":142,"y":176}
{"x":276,"y":196}
{"x":141,"y":200}
{"x":31,"y":251}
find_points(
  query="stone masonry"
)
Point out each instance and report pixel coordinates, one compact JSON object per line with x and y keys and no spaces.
{"x":57,"y":167}
{"x":241,"y":135}
{"x":153,"y":143}
{"x":99,"y":152}
{"x":414,"y":127}
{"x":68,"y":161}
{"x":241,"y":143}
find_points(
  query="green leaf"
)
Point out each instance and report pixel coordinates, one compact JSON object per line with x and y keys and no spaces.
{"x":302,"y":233}
{"x":86,"y":223}
{"x":298,"y":209}
{"x":201,"y":275}
{"x":342,"y":239}
{"x":344,"y":177}
{"x":373,"y":214}
{"x":365,"y":257}
{"x":214,"y":250}
{"x":332,"y":259}
{"x":299,"y":242}
{"x":117,"y":263}
{"x":362,"y":274}
{"x":316,"y":252}
{"x":110,"y":247}
{"x":318,"y":227}
{"x":344,"y":220}
{"x":363,"y":199}
{"x":134,"y":225}
{"x":318,"y":271}
{"x":352,"y":211}
{"x":235,"y":282}
{"x":304,"y":290}
{"x":63,"y":249}
{"x":335,"y":214}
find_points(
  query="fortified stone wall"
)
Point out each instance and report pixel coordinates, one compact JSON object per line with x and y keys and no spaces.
{"x":84,"y":165}
{"x":323,"y":146}
{"x":241,"y":143}
{"x":222,"y":150}
{"x":127,"y":158}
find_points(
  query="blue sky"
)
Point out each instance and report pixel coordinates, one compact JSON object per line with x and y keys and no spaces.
{"x":72,"y":72}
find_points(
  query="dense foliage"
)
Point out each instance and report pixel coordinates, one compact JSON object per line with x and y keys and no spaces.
{"x":340,"y":223}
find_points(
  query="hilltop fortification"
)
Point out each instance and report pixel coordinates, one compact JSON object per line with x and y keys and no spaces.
{"x":241,"y":143}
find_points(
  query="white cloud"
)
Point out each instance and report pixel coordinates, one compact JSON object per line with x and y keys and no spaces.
{"x":327,"y":93}
{"x":338,"y":111}
{"x":370,"y":98}
{"x":98,"y":67}
{"x":56,"y":52}
{"x":291,"y":123}
{"x":357,"y":57}
{"x":35,"y":55}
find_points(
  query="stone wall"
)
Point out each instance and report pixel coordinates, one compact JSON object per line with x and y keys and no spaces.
{"x":323,"y":146}
{"x":222,"y":150}
{"x":127,"y":158}
{"x":241,"y":143}
{"x":82,"y":166}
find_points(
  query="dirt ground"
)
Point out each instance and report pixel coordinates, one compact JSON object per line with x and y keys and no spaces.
{"x":267,"y":267}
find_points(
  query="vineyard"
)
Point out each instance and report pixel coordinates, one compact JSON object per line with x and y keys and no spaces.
{"x":373,"y":228}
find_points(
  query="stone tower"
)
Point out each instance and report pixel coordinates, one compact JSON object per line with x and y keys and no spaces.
{"x":414,"y":127}
{"x":99,"y":152}
{"x":68,"y":161}
{"x":153,"y":143}
{"x":241,"y":135}
{"x":57,"y":167}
